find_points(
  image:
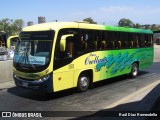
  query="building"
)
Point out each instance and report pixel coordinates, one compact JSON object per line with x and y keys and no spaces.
{"x":41,"y":19}
{"x":29,"y":23}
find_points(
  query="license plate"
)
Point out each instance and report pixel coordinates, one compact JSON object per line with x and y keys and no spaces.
{"x":24,"y":84}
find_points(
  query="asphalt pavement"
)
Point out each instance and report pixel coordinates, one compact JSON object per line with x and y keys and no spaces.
{"x":145,"y":99}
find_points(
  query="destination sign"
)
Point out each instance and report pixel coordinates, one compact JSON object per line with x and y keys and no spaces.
{"x":40,"y":35}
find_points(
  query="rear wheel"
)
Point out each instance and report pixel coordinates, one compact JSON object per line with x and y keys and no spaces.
{"x":83,"y":83}
{"x":134,"y":70}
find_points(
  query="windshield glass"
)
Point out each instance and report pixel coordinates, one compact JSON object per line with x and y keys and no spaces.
{"x":33,"y":51}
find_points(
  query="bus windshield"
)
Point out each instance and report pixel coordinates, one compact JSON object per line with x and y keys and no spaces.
{"x":33,"y":52}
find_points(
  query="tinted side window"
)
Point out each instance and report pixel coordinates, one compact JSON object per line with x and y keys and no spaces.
{"x":148,"y":39}
{"x":110,"y":38}
{"x":142,"y":40}
{"x":125,"y":40}
{"x":135,"y":40}
{"x":89,"y":41}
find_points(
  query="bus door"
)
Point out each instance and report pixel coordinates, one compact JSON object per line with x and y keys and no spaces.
{"x":64,"y":55}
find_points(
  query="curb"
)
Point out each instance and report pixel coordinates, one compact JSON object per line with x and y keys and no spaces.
{"x":6,"y":85}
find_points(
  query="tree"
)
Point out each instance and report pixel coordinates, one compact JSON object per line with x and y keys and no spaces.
{"x":137,"y":25}
{"x":125,"y":23}
{"x":4,"y":24}
{"x":17,"y":26}
{"x":19,"y":23}
{"x":153,"y":27}
{"x":90,"y":20}
{"x":12,"y":27}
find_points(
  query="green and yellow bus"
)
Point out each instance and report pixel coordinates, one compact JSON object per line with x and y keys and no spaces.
{"x":8,"y":42}
{"x":62,"y":55}
{"x":11,"y":41}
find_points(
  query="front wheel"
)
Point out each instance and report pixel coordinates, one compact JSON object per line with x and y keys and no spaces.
{"x":134,"y":70}
{"x":83,"y":83}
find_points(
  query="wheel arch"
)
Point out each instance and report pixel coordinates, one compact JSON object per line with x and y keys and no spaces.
{"x":87,"y":72}
{"x":136,"y":62}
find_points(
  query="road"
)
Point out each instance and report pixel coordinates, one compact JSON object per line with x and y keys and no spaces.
{"x":104,"y":93}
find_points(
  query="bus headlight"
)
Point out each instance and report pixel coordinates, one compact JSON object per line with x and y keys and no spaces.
{"x":44,"y":78}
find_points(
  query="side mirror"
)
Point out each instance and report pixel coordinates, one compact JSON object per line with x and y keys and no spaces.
{"x":63,"y":41}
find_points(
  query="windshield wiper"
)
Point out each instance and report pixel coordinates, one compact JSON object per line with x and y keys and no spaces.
{"x":20,"y":59}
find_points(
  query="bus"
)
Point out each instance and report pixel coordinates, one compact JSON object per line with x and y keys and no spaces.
{"x":7,"y":46}
{"x":60,"y":55}
{"x":8,"y":42}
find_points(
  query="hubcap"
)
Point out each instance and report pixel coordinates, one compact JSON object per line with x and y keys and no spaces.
{"x":135,"y":70}
{"x":84,"y":82}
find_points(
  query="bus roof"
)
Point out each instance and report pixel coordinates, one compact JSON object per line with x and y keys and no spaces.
{"x":83,"y":25}
{"x":15,"y":36}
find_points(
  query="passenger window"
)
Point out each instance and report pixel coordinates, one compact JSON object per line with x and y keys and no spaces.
{"x":84,"y":44}
{"x":104,"y":42}
{"x":124,"y":40}
{"x":142,"y":40}
{"x":97,"y":40}
{"x":119,"y":44}
{"x":148,"y":40}
{"x":135,"y":41}
{"x":89,"y":41}
{"x":110,"y":39}
{"x":131,"y":44}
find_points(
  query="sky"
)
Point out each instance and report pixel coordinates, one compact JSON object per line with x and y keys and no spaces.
{"x":107,"y":12}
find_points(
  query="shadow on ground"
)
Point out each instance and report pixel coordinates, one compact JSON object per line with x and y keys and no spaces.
{"x":42,"y":96}
{"x":149,"y":104}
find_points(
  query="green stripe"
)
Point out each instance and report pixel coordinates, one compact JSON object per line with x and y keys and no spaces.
{"x":123,"y":29}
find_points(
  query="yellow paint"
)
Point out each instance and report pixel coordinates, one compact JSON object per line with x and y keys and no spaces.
{"x":69,"y":74}
{"x":63,"y":80}
{"x":9,"y":40}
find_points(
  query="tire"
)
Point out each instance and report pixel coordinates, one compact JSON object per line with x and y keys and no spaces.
{"x":83,"y":83}
{"x":134,"y":70}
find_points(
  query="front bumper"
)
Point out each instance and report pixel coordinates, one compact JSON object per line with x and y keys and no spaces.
{"x":43,"y":85}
